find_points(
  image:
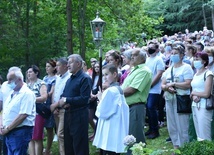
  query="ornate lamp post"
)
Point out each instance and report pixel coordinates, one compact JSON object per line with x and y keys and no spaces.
{"x":97,"y":27}
{"x":144,"y":36}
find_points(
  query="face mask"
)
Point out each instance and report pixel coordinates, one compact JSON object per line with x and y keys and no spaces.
{"x":175,"y":58}
{"x":151,"y":51}
{"x":210,"y":59}
{"x":168,"y":48}
{"x":197,"y":64}
{"x":12,"y":85}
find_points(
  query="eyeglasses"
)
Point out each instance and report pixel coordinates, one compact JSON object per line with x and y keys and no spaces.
{"x":178,"y":47}
{"x":93,"y":61}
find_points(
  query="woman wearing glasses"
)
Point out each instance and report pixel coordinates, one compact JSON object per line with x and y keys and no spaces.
{"x":176,"y":80}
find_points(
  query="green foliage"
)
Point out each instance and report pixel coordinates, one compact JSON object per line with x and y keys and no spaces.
{"x":33,"y":31}
{"x":198,"y":148}
{"x":140,"y":149}
{"x":180,"y":14}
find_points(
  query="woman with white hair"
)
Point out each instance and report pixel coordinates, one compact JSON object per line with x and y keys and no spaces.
{"x":127,"y":61}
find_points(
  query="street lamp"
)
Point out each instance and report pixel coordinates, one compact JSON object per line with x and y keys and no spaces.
{"x":97,"y":26}
{"x":144,"y":36}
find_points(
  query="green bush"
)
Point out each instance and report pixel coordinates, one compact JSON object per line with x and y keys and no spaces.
{"x":198,"y":148}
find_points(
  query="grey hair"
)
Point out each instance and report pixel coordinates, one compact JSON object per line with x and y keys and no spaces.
{"x":62,"y":60}
{"x":14,"y":68}
{"x":18,"y":74}
{"x":143,"y":54}
{"x":128,"y":53}
{"x":77,"y":58}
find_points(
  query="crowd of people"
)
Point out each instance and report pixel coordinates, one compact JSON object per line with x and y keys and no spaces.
{"x":139,"y":85}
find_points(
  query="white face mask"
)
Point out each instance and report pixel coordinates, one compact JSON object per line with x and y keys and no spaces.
{"x":210,"y":59}
{"x":12,"y":85}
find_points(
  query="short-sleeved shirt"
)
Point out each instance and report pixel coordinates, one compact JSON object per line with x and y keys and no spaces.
{"x":60,"y":85}
{"x":139,"y":78}
{"x":180,"y":74}
{"x":155,"y":64}
{"x":5,"y":91}
{"x":198,"y":85}
{"x":21,"y":103}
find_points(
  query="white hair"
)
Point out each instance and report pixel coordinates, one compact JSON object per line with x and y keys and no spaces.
{"x":18,"y":74}
{"x":14,"y":68}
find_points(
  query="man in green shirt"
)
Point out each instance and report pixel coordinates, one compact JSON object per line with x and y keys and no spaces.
{"x":136,"y":89}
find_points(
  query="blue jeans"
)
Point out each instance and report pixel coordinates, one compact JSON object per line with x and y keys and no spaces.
{"x":151,"y":109}
{"x":17,"y":140}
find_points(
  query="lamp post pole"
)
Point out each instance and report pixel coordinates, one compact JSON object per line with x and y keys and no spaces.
{"x":97,"y":27}
{"x":144,"y":37}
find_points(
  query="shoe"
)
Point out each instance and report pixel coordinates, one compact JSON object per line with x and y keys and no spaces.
{"x":91,"y":137}
{"x":55,"y":138}
{"x":45,"y":152}
{"x":153,"y":135}
{"x":161,"y":124}
{"x":168,"y":140}
{"x":147,"y":133}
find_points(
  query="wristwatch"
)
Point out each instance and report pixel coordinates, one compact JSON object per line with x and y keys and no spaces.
{"x":64,"y":100}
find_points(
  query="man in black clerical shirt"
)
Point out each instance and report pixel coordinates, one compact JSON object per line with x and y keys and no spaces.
{"x":75,"y":99}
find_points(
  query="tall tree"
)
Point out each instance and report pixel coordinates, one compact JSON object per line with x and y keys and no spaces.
{"x":179,"y":14}
{"x":69,"y":27}
{"x":81,"y":26}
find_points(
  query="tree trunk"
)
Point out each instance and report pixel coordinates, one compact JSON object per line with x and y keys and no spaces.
{"x":27,"y":34}
{"x":81,"y":21}
{"x":204,"y":16}
{"x":69,"y":27}
{"x":212,"y":11}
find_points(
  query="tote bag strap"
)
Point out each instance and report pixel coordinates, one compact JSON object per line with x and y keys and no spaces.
{"x":205,"y":80}
{"x":172,"y":77}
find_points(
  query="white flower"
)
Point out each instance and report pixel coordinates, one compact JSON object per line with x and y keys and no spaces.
{"x":129,"y":140}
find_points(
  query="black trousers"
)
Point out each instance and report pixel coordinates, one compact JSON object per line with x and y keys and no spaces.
{"x":76,"y":132}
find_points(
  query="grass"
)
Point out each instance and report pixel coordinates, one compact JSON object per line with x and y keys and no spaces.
{"x":154,"y":144}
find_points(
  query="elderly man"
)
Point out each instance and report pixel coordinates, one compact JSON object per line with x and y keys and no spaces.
{"x":18,"y":114}
{"x":62,"y":70}
{"x":136,"y":89}
{"x":75,"y":99}
{"x":4,"y":93}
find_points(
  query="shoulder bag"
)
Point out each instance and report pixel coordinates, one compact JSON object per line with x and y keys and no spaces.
{"x":210,"y":100}
{"x":43,"y":110}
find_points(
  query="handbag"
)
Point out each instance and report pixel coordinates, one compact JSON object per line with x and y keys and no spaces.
{"x":210,"y":103}
{"x":210,"y":100}
{"x":184,"y":102}
{"x":43,"y":110}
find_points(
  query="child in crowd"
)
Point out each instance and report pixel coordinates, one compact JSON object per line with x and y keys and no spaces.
{"x":113,"y":115}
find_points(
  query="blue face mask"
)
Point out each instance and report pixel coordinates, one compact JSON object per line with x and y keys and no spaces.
{"x":198,"y":64}
{"x":168,"y":48}
{"x":12,"y":85}
{"x":175,"y":58}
